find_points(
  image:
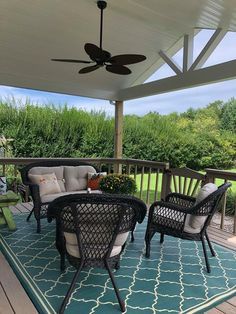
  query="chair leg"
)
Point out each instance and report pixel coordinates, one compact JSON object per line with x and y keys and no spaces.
{"x":132,"y":233}
{"x":205,"y":255}
{"x":63,"y":262}
{"x":70,"y":290}
{"x":148,"y":236}
{"x":117,"y":265}
{"x":38,"y":225}
{"x":148,"y":247}
{"x":31,"y":212}
{"x":132,"y":236}
{"x":121,"y":302}
{"x":210,"y":246}
{"x":162,"y":238}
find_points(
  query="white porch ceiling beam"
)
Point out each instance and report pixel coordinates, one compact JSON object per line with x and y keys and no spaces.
{"x":170,"y":62}
{"x":208,"y":49}
{"x":188,"y":52}
{"x":208,"y":75}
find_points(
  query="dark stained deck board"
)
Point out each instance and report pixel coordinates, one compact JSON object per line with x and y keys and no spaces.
{"x":16,"y":296}
{"x":25,"y":306}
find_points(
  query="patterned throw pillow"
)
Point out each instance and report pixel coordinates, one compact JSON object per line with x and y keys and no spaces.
{"x":47,"y":183}
{"x":94,"y":180}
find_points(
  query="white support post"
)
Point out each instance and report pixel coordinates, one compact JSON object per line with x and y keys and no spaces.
{"x":118,"y":140}
{"x":208,"y":49}
{"x":175,"y":67}
{"x":188,"y":52}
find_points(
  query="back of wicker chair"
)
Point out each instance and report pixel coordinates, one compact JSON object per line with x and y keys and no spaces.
{"x":93,"y":222}
{"x":169,"y":217}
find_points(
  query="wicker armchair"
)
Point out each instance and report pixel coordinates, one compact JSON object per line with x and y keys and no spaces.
{"x":91,"y":230}
{"x":170,"y":217}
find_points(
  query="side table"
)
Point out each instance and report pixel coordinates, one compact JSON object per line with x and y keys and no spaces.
{"x":6,"y":217}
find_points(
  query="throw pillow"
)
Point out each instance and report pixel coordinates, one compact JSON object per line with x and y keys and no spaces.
{"x":59,"y":172}
{"x":47,"y":183}
{"x":198,"y":221}
{"x":94,"y":180}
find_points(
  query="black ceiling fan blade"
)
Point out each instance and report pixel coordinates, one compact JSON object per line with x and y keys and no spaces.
{"x":126,"y":59}
{"x":71,"y":60}
{"x":118,"y":69}
{"x":94,"y":51}
{"x":89,"y":69}
{"x":100,"y":57}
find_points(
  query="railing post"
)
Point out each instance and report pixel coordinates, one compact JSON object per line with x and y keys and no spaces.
{"x":118,"y":138}
{"x":209,"y":178}
{"x":166,"y":180}
{"x":234,"y":218}
{"x":222,"y":222}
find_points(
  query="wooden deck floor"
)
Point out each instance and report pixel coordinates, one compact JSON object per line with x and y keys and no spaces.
{"x":14,"y":300}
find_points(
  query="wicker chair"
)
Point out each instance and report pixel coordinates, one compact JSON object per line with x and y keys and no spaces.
{"x":91,"y":230}
{"x":170,"y":217}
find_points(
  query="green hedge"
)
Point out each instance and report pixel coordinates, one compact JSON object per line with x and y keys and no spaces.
{"x":197,"y":138}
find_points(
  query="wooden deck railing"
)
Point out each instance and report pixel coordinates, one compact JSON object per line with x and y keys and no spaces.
{"x":154,"y":179}
{"x":212,"y":175}
{"x":143,"y":171}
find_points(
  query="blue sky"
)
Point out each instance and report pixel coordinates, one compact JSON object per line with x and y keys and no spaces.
{"x":179,"y":101}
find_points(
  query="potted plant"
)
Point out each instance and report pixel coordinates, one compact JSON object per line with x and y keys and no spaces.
{"x":118,"y":184}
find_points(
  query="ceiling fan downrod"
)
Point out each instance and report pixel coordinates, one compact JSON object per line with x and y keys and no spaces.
{"x":101,"y":5}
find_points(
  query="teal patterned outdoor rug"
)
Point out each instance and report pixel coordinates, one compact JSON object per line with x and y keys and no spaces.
{"x":173,"y":280}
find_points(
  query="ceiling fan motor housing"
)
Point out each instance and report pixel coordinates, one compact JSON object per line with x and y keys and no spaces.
{"x":102,"y":5}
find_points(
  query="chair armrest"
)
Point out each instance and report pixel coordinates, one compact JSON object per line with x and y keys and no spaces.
{"x":34,"y":189}
{"x":166,"y":215}
{"x":161,"y":204}
{"x":180,"y":199}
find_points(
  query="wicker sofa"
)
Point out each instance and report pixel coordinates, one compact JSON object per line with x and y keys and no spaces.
{"x":48,"y":180}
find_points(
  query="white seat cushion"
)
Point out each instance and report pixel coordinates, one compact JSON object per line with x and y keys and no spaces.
{"x":72,"y":244}
{"x":194,"y":224}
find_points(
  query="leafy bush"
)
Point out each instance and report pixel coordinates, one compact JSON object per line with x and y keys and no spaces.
{"x":231,"y":203}
{"x":118,"y":184}
{"x":12,"y":182}
{"x":228,"y":118}
{"x":197,"y":139}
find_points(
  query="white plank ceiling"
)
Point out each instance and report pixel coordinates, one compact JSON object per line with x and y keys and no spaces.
{"x":34,"y":31}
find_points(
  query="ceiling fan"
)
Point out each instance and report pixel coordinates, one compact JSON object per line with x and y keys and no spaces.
{"x":100,"y":57}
